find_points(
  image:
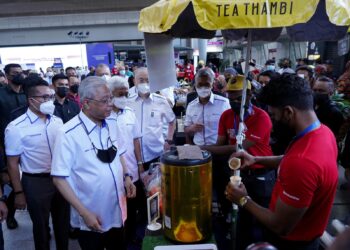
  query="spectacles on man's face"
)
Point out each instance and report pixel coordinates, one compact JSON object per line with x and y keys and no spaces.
{"x":103,"y":101}
{"x":45,"y":98}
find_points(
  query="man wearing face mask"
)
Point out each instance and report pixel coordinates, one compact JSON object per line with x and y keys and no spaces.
{"x":73,"y":95}
{"x":12,"y":99}
{"x":103,"y":71}
{"x":304,"y":192}
{"x":29,"y":141}
{"x":94,"y":183}
{"x":151,"y":110}
{"x":64,"y":108}
{"x":306,"y":73}
{"x":327,"y":111}
{"x":203,"y":113}
{"x":131,"y":136}
{"x":258,"y":179}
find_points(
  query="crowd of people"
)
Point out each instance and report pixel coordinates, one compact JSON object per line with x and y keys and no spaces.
{"x":74,"y":146}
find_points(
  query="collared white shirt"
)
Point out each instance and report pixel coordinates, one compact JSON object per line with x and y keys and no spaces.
{"x":32,"y":139}
{"x":208,"y":115}
{"x":129,"y":129}
{"x":150,"y":113}
{"x":99,"y":186}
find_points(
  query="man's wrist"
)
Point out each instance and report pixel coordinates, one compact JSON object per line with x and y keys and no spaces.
{"x":126,"y":175}
{"x":169,"y":141}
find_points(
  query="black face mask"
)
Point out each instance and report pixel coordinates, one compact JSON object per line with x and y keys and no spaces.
{"x":18,"y":79}
{"x":107,"y":155}
{"x":320,"y":99}
{"x":74,"y":88}
{"x":62,"y":91}
{"x":236,"y":107}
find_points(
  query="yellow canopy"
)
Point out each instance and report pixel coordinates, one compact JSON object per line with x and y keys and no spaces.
{"x":338,"y":11}
{"x":239,"y":14}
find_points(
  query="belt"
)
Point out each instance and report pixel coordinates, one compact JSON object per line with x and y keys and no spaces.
{"x":40,"y":175}
{"x":257,"y":171}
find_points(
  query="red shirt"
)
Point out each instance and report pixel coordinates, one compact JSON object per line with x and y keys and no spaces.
{"x":307,"y":177}
{"x":258,"y":125}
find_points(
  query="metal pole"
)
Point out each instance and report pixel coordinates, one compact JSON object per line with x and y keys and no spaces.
{"x":240,"y":135}
{"x":81,"y":55}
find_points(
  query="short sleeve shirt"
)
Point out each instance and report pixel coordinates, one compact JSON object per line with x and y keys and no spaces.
{"x":307,"y":178}
{"x":129,"y":130}
{"x":151,"y":113}
{"x":208,"y":115}
{"x":258,"y":129}
{"x":33,"y":140}
{"x":98,"y":185}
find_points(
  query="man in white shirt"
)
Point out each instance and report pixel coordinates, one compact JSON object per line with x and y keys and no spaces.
{"x":102,"y":70}
{"x":29,"y":142}
{"x":203,"y":113}
{"x":150,"y":110}
{"x":89,"y":170}
{"x":131,"y":136}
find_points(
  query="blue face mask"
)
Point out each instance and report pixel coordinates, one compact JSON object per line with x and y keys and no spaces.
{"x":270,"y":67}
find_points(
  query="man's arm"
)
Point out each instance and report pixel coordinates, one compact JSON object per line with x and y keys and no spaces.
{"x":221,"y":147}
{"x":171,"y":131}
{"x":282,"y":221}
{"x":129,"y":186}
{"x":138,"y":156}
{"x":248,"y":159}
{"x":13,"y":170}
{"x":91,"y":220}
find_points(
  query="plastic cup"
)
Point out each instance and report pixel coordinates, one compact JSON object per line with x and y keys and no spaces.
{"x":236,"y":180}
{"x":234,"y":163}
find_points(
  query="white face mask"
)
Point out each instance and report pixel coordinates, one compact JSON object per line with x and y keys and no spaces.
{"x":143,"y":88}
{"x":203,"y":92}
{"x":49,"y":74}
{"x":106,"y":77}
{"x":120,"y":102}
{"x":47,"y":108}
{"x":122,"y":72}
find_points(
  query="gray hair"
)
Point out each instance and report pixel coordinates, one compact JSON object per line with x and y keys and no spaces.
{"x":206,"y":72}
{"x":88,"y":86}
{"x":117,"y":82}
{"x":139,"y":70}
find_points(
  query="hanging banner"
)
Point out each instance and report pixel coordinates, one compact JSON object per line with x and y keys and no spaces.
{"x":216,"y":14}
{"x":228,"y":14}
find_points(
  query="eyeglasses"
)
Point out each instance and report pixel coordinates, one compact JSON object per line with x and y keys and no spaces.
{"x":104,"y":101}
{"x":45,"y":97}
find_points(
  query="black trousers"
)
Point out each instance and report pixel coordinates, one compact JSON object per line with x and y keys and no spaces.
{"x":137,"y":214}
{"x":110,"y":240}
{"x":42,"y":199}
{"x":283,"y":244}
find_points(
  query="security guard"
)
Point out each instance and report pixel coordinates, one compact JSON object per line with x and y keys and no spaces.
{"x":203,"y":113}
{"x":150,"y":110}
{"x":29,"y":142}
{"x":94,"y":182}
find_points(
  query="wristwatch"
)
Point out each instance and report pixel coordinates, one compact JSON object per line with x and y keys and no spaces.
{"x":243,"y":200}
{"x":126,"y":175}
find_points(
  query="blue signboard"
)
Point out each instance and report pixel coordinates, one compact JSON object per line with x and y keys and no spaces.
{"x":57,"y":63}
{"x":100,"y":53}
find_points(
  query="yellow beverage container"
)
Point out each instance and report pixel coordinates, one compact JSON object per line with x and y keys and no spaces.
{"x":187,"y":197}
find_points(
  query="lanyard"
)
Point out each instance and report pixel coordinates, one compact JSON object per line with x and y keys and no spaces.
{"x":316,"y":124}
